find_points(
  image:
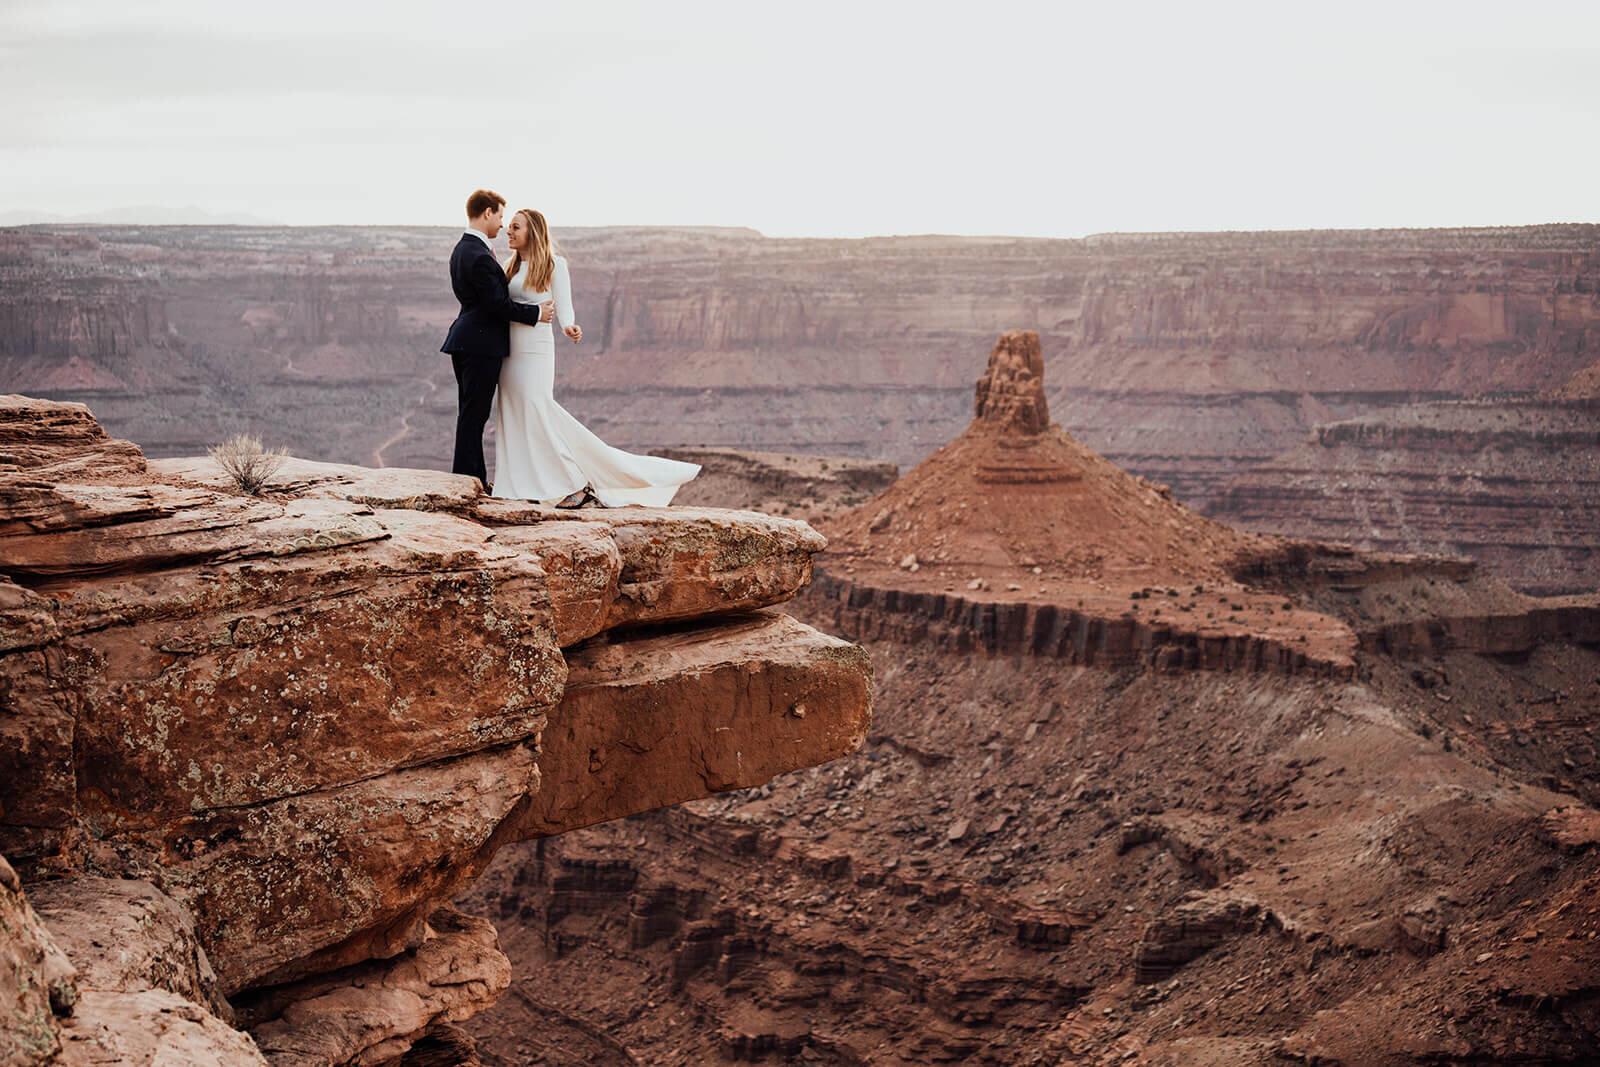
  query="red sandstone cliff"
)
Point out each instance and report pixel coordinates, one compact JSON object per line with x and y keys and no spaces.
{"x":301,"y":723}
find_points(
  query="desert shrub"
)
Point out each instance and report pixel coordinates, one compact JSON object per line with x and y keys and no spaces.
{"x":249,"y":465}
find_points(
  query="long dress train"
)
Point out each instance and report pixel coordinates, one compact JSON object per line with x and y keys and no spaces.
{"x":540,"y":451}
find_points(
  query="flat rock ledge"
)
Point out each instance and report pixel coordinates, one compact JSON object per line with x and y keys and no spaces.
{"x":302,"y":721}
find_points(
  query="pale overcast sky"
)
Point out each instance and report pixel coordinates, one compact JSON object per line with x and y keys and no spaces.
{"x":821,"y":118}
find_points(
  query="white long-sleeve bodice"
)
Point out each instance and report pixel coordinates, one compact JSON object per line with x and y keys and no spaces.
{"x":560,"y":291}
{"x":540,"y":451}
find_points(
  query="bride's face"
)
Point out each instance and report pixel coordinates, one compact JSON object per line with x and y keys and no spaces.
{"x":517,"y":233}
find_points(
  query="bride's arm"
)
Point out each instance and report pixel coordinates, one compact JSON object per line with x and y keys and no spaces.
{"x":563,"y":295}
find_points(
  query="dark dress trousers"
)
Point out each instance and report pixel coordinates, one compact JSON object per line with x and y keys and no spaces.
{"x":478,"y":340}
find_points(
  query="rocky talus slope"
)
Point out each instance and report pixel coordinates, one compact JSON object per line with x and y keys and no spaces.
{"x":1583,"y":386}
{"x":1513,"y":483}
{"x":1139,"y":789}
{"x":252,"y":747}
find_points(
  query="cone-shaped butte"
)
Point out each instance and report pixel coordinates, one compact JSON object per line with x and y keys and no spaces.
{"x":1019,"y":512}
{"x":1013,"y":493}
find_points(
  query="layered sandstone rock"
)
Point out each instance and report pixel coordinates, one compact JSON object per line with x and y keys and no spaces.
{"x":1010,"y":395}
{"x":1186,"y":358}
{"x":1015,"y":496}
{"x":152,"y":1026}
{"x":1515,"y":484}
{"x":151,"y":940}
{"x":310,"y":717}
{"x":145,"y":990}
{"x":1191,"y":929}
{"x":621,"y":746}
{"x":1016,"y":538}
{"x":1264,"y":334}
{"x":376,"y":1011}
{"x":36,"y":980}
{"x":1256,"y":634}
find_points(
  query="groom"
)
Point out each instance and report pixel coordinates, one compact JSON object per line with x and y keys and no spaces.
{"x":481,"y":335}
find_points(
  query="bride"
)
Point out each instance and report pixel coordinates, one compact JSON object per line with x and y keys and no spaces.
{"x":540,"y":451}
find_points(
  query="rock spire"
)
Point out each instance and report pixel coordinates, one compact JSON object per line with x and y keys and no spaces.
{"x":1010,"y":395}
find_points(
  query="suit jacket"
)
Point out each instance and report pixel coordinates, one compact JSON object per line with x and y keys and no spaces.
{"x":483,"y":329}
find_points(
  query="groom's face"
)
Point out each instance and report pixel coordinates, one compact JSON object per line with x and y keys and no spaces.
{"x":491,"y":222}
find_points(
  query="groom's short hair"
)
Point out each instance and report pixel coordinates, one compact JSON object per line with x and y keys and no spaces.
{"x":483,"y":200}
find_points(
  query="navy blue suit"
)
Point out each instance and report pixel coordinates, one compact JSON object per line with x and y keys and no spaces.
{"x":478,"y":340}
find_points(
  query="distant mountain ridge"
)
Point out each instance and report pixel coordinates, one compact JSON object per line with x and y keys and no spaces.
{"x":136,"y":215}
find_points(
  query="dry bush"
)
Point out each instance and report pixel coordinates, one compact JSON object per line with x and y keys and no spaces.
{"x":249,"y":465}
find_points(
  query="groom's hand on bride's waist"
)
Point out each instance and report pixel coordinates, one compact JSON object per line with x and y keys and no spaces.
{"x":547,"y":311}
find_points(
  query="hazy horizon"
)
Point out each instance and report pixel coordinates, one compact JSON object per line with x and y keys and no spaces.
{"x":14,"y":220}
{"x":845,"y":120}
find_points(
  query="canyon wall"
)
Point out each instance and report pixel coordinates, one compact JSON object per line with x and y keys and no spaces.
{"x":1514,"y":484}
{"x":1039,"y":858}
{"x":1189,"y":358}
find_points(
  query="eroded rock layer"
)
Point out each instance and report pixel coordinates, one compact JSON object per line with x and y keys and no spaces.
{"x":304,"y":720}
{"x":1010,"y":395}
{"x":1514,"y":484}
{"x":37,"y":982}
{"x":808,"y":486}
{"x":1031,"y":861}
{"x":1186,"y":358}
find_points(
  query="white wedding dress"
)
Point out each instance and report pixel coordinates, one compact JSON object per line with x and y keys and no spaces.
{"x":540,"y":451}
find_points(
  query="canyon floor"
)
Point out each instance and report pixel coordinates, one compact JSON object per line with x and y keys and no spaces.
{"x":1139,"y":788}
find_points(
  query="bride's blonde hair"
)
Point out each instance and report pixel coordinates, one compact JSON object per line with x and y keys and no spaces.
{"x":540,"y":255}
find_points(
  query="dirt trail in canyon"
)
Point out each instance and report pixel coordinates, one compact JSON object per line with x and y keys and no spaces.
{"x":405,"y":421}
